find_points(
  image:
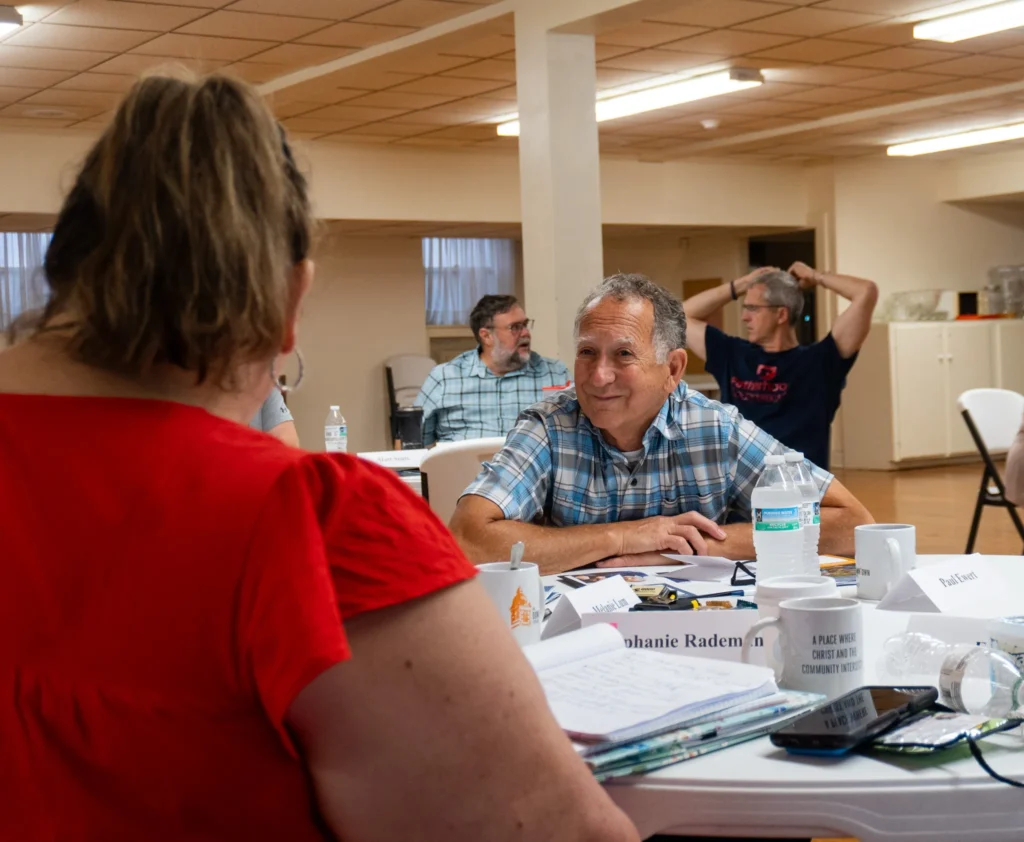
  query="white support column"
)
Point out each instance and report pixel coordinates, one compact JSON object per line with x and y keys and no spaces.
{"x":560,"y":182}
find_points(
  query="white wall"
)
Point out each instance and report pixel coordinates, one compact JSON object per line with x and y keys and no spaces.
{"x":892,"y":227}
{"x":367,"y":304}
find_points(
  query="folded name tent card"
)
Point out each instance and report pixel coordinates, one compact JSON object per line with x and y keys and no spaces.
{"x":700,"y":634}
{"x":611,"y":594}
{"x":966,"y":585}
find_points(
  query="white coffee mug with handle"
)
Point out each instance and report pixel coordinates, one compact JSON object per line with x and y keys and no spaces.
{"x":884,"y":552}
{"x":771,"y":592}
{"x":517,"y":594}
{"x":822,"y":644}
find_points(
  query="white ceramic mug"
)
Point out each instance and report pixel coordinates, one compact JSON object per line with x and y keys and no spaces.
{"x":769,"y":593}
{"x":518,"y":596}
{"x":822,"y":644}
{"x":885,"y":551}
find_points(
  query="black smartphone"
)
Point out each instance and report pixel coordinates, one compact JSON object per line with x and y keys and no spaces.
{"x":846,"y":722}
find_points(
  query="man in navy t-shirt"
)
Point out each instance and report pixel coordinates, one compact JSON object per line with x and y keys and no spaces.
{"x":789,"y":390}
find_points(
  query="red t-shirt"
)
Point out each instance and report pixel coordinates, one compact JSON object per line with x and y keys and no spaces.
{"x":166,"y":591}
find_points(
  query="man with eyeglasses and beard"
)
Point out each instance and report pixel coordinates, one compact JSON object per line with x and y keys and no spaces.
{"x":481,"y":392}
{"x":791,"y":391}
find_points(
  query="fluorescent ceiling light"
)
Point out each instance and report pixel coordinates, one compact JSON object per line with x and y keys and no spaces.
{"x":10,"y":20}
{"x":612,"y":107}
{"x":973,"y":23}
{"x":977,"y":137}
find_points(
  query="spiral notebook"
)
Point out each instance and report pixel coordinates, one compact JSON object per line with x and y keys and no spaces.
{"x":599,"y":690}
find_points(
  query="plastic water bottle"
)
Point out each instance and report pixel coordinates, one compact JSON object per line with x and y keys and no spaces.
{"x":810,"y":509}
{"x":970,"y":679}
{"x":335,"y":432}
{"x":778,"y":535}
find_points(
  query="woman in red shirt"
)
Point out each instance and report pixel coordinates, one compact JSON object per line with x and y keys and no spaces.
{"x":201,"y":627}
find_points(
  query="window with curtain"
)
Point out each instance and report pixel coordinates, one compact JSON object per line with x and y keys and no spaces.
{"x":460,"y":271}
{"x":22,"y":285}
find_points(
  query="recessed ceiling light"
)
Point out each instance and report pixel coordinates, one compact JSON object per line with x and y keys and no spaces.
{"x":665,"y":95}
{"x":10,"y":20}
{"x":961,"y":140}
{"x":972,"y":23}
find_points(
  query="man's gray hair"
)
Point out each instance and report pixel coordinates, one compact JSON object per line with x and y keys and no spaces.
{"x":783,"y":290}
{"x":669,"y":319}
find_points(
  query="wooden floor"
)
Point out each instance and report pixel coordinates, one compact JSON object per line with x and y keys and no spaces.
{"x":939,"y":502}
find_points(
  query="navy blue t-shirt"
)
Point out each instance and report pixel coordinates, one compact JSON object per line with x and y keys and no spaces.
{"x":791,"y":394}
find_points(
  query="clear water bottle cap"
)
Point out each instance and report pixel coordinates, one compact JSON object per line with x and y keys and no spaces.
{"x":794,"y":456}
{"x":774,"y":459}
{"x":335,"y":408}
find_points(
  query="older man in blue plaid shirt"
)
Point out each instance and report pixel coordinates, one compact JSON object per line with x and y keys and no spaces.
{"x":631,"y":463}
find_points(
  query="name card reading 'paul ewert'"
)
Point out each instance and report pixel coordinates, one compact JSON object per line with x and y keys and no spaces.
{"x":971,"y":585}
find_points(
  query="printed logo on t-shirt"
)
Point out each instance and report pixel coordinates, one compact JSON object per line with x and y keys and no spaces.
{"x":764,"y":390}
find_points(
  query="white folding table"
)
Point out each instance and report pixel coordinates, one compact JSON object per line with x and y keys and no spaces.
{"x":755,"y":789}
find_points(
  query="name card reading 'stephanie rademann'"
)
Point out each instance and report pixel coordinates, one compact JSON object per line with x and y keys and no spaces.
{"x":701,"y":634}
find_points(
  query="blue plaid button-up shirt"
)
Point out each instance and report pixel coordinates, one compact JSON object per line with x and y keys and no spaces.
{"x":698,"y":456}
{"x":464,"y":399}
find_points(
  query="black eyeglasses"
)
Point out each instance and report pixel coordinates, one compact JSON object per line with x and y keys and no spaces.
{"x":516,"y":328}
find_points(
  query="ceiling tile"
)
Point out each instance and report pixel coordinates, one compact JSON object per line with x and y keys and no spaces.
{"x":487,"y":46}
{"x":886,"y":34}
{"x":103,"y":82}
{"x":493,"y":69}
{"x":309,"y":124}
{"x":819,"y":74}
{"x":766,"y":108}
{"x":136,"y":64}
{"x":888,"y":8}
{"x":827,"y":96}
{"x":407,"y":61}
{"x":121,"y":15}
{"x":464,"y":111}
{"x":361,"y":76}
{"x":173,"y":45}
{"x":324,"y":9}
{"x":248,"y":25}
{"x":817,"y":50}
{"x":199,"y":4}
{"x":810,"y":22}
{"x":417,"y":13}
{"x":100,"y":100}
{"x":899,"y":58}
{"x":504,"y":94}
{"x":465,"y":132}
{"x":50,"y":112}
{"x":77,"y":37}
{"x":956,"y":86}
{"x":613,"y":77}
{"x":9,"y":94}
{"x":717,"y":13}
{"x":253,"y":72}
{"x":300,"y":55}
{"x":904,"y":80}
{"x":355,"y":35}
{"x":644,"y":33}
{"x":725,"y":43}
{"x":38,"y":10}
{"x":45,"y":59}
{"x":400,"y":99}
{"x":20,"y":77}
{"x":356,"y":114}
{"x":321,"y":96}
{"x":657,"y":61}
{"x":975,"y":65}
{"x":447,"y":85}
{"x":35,"y":123}
{"x":283,"y":110}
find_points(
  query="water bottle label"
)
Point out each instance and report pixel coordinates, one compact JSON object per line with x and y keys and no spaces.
{"x":336,"y":438}
{"x":951,"y":676}
{"x":781,"y":519}
{"x":817,"y":513}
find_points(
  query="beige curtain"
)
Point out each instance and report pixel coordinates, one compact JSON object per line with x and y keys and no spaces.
{"x":22,"y":284}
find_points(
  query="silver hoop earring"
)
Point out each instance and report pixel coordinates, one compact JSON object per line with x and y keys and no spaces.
{"x":283,"y":388}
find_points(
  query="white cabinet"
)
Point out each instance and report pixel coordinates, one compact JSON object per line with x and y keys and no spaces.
{"x":900,"y":401}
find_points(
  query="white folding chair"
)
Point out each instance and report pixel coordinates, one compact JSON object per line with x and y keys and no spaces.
{"x":449,"y":468}
{"x":993,"y":417}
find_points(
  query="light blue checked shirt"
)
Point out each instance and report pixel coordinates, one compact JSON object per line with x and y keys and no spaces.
{"x":464,"y":399}
{"x":698,"y":456}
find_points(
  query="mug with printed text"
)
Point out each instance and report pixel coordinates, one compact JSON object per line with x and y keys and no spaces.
{"x":822,"y":644}
{"x":771,"y":592}
{"x":517,"y":594}
{"x":884,"y":552}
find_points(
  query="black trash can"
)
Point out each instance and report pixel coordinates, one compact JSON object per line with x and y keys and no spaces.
{"x":409,"y":426}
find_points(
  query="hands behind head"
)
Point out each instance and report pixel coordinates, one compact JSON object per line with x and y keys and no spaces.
{"x":643,"y":541}
{"x":741,"y":285}
{"x":807,"y":276}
